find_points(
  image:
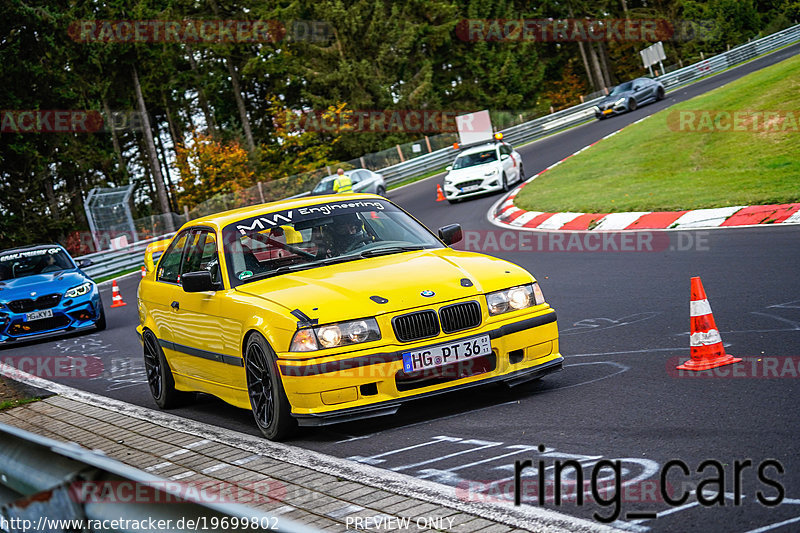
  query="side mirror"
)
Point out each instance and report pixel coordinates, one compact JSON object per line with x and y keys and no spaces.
{"x":451,"y":234}
{"x":197,"y":282}
{"x":448,"y":168}
{"x":85,"y":263}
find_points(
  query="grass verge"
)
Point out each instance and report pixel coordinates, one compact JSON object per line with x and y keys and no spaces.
{"x":10,"y":404}
{"x":13,"y":395}
{"x":662,"y":165}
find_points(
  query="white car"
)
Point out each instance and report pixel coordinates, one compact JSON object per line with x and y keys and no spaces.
{"x":490,"y":167}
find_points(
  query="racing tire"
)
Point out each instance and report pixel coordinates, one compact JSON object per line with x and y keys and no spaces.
{"x":271,"y":408}
{"x":504,"y":179}
{"x":159,"y":375}
{"x":632,"y":105}
{"x":660,"y":94}
{"x":521,"y":173}
{"x":100,"y":323}
{"x":381,"y":191}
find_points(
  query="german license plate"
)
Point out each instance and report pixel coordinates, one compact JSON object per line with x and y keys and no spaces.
{"x":444,"y":354}
{"x":470,"y":188}
{"x":38,"y":315}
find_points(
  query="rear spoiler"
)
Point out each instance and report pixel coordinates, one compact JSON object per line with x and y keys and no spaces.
{"x":153,"y":253}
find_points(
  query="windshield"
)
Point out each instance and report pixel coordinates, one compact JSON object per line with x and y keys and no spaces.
{"x":24,"y":263}
{"x":318,"y":235}
{"x":621,"y":88}
{"x":478,"y":158}
{"x":324,"y":186}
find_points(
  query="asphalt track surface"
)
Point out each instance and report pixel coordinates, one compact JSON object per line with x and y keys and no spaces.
{"x":623,"y":321}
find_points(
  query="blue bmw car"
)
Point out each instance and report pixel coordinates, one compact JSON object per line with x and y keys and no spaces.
{"x":44,"y":293}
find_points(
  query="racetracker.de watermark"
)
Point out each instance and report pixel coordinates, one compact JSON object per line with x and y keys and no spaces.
{"x":495,"y":241}
{"x":52,"y":366}
{"x":378,"y":120}
{"x":567,"y":490}
{"x":763,"y":367}
{"x":50,"y":121}
{"x":582,"y":30}
{"x":734,"y":121}
{"x":164,"y":491}
{"x":198,"y":31}
{"x":69,"y":121}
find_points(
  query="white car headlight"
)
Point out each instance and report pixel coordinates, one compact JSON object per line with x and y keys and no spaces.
{"x":491,"y":172}
{"x":80,"y":290}
{"x":620,"y":101}
{"x":335,"y":335}
{"x":514,"y":299}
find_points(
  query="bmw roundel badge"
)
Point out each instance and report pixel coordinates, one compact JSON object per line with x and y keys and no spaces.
{"x":427,"y":294}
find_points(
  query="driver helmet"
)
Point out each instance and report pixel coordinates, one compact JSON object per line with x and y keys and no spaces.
{"x":348,"y":229}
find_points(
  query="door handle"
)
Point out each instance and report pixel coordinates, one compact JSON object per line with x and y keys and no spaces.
{"x":175,"y":305}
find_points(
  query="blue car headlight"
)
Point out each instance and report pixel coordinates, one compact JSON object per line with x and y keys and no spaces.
{"x":80,"y":290}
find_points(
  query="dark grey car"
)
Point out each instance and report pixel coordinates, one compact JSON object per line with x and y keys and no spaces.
{"x":628,"y":96}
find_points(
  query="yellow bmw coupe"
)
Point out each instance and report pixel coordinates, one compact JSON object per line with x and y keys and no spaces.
{"x":328,"y":309}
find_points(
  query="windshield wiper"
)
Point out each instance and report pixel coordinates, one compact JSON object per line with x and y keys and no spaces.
{"x":338,"y":259}
{"x":391,"y":250}
{"x":282,"y":270}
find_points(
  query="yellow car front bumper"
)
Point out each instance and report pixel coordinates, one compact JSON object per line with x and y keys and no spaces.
{"x":373,"y":383}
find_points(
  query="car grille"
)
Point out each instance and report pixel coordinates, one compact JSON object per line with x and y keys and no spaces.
{"x":460,"y":316}
{"x":469,"y":183}
{"x":414,"y":326}
{"x":35,"y":326}
{"x":42,"y":302}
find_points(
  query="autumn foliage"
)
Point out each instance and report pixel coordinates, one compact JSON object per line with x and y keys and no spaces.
{"x":210,"y":166}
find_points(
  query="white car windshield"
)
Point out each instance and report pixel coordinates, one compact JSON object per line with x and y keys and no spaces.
{"x":477,"y":158}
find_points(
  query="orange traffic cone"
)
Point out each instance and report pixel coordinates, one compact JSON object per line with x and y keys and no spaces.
{"x":705,"y":344}
{"x":439,"y":193}
{"x":116,"y":297}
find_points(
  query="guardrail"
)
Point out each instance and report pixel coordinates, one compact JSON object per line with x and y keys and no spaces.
{"x":540,"y":127}
{"x":732,"y":57}
{"x":114,"y":261}
{"x":519,"y":134}
{"x":41,"y":482}
{"x":110,"y":262}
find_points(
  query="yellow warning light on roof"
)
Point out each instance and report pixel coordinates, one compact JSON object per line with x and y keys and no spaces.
{"x":498,"y":136}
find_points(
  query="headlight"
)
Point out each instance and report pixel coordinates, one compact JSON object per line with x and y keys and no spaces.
{"x":514,"y":299}
{"x":620,"y":101}
{"x":80,"y":290}
{"x":335,"y":335}
{"x":490,"y":172}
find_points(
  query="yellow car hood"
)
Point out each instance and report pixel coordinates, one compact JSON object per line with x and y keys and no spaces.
{"x":343,"y":291}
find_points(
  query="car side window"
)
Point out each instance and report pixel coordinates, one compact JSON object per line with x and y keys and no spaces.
{"x":356,"y":176}
{"x":201,"y":254}
{"x":169,"y":267}
{"x":505,"y":149}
